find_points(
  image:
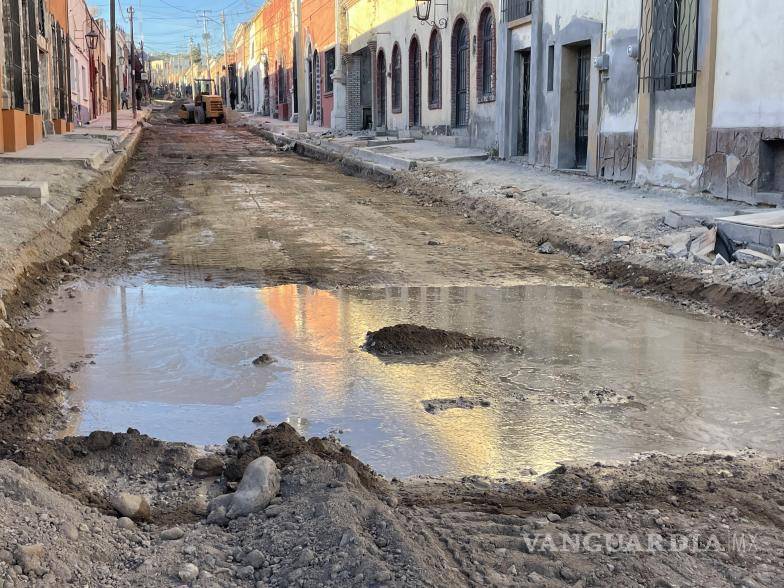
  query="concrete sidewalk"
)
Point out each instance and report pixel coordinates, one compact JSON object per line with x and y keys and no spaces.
{"x":90,"y":145}
{"x":391,"y":152}
{"x":48,"y":191}
{"x":613,"y":207}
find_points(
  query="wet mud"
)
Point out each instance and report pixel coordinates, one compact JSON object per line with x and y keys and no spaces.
{"x":421,"y":340}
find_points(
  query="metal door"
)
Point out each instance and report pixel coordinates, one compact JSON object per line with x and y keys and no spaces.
{"x":462,"y":63}
{"x":381,"y":91}
{"x":414,"y":84}
{"x":583,"y":97}
{"x":524,"y":61}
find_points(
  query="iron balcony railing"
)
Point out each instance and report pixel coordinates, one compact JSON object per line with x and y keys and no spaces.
{"x":514,"y":9}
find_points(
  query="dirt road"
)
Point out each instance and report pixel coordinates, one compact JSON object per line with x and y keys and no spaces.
{"x":217,"y":206}
{"x":220,"y":202}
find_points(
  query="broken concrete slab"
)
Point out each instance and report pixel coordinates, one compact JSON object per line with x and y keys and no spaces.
{"x":680,"y":247}
{"x":680,"y":219}
{"x":751,"y":256}
{"x":705,"y":244}
{"x":26,"y":189}
{"x":621,"y":242}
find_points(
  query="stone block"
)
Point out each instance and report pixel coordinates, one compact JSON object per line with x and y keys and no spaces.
{"x":37,"y":190}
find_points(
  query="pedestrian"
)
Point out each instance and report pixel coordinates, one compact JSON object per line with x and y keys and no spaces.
{"x":138,"y":96}
{"x":233,"y":99}
{"x":124,"y":99}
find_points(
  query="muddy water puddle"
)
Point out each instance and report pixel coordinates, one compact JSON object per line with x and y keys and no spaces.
{"x":602,"y":376}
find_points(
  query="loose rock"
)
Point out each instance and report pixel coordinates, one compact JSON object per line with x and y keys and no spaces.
{"x":132,"y":506}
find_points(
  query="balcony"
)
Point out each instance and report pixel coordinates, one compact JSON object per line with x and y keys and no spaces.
{"x":516,"y":9}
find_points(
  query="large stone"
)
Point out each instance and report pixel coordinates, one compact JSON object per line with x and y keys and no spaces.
{"x":132,"y":506}
{"x":172,"y":534}
{"x":3,"y":312}
{"x":260,"y":483}
{"x":188,"y":572}
{"x":205,"y":467}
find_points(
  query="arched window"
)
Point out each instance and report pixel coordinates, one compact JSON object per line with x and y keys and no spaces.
{"x":397,"y":80}
{"x":434,"y":72}
{"x":486,"y":56}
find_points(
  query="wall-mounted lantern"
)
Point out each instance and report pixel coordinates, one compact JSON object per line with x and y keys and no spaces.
{"x":92,"y":39}
{"x":424,"y":8}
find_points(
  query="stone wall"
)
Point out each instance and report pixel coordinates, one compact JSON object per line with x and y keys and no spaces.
{"x":616,"y":156}
{"x":732,"y":167}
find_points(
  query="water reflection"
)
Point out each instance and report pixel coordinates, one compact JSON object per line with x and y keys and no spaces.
{"x":175,"y":362}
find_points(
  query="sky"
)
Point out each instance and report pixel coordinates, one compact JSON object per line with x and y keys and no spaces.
{"x":166,"y":25}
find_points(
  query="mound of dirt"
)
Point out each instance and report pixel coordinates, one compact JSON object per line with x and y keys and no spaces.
{"x":43,"y":382}
{"x":283,"y":444}
{"x":407,"y":339}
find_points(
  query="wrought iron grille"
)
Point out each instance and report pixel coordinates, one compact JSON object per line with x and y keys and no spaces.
{"x":514,"y":9}
{"x":668,"y":53}
{"x":17,"y":76}
{"x":32,"y":59}
{"x":42,"y":18}
{"x":60,"y":75}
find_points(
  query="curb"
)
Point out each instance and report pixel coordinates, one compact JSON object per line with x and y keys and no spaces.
{"x":55,"y":238}
{"x":349,"y":165}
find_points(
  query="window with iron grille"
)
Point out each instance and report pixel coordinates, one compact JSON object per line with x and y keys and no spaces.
{"x":397,"y":80}
{"x":514,"y":9}
{"x":329,"y":66}
{"x":486,"y":57}
{"x":41,"y":18}
{"x":15,"y":54}
{"x":32,"y":59}
{"x":668,"y":56}
{"x":434,"y":72}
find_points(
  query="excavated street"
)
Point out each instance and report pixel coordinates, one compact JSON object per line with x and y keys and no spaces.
{"x":218,"y":247}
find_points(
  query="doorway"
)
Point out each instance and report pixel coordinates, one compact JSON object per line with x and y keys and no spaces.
{"x":414,"y":84}
{"x":583,"y":105}
{"x":524,"y":94}
{"x":461,"y":51}
{"x":381,"y":90}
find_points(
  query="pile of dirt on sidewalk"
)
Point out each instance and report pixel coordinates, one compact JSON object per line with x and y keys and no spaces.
{"x":406,"y":339}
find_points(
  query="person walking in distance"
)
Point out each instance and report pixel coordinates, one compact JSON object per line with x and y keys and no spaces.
{"x":124,"y":99}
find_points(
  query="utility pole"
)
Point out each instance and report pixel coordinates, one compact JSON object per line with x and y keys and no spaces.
{"x":133,"y":65}
{"x":301,"y":98}
{"x":193,"y":72}
{"x":225,"y":57}
{"x":207,"y":46}
{"x":113,"y":61}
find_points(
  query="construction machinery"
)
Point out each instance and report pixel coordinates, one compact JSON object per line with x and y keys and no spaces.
{"x":206,"y":106}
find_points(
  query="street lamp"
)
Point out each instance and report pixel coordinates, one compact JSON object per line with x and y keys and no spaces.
{"x":92,"y":39}
{"x":423,"y":9}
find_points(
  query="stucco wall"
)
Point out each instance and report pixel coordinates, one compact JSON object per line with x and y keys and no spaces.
{"x":392,"y":21}
{"x":749,"y":86}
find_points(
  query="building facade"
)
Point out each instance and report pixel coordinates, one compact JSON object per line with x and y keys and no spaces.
{"x":33,"y":71}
